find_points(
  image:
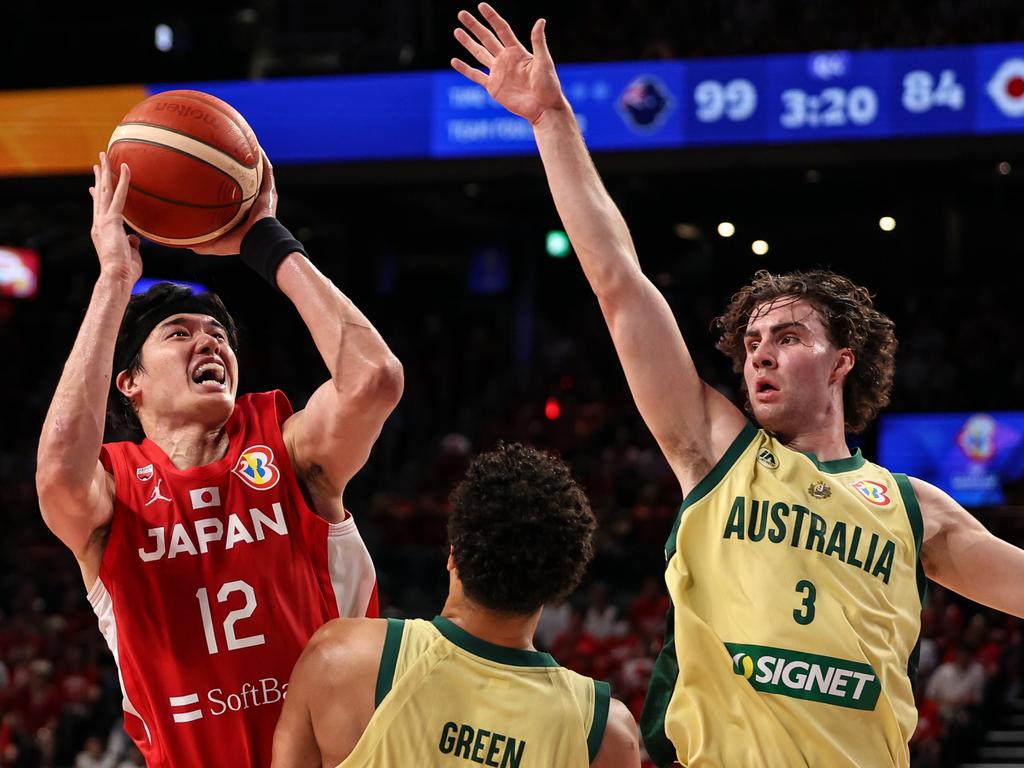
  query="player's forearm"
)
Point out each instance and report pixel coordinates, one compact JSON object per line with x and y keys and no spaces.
{"x":592,"y":220}
{"x":73,"y":430}
{"x":355,"y":353}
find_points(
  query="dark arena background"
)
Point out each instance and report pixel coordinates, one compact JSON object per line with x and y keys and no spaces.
{"x":454,"y":251}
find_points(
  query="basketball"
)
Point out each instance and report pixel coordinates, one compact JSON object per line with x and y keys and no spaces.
{"x":195,"y":167}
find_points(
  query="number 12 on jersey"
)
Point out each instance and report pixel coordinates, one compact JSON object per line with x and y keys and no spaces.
{"x":234,"y":642}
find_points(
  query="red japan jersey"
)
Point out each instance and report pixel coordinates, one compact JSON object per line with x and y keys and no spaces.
{"x":212,"y":581}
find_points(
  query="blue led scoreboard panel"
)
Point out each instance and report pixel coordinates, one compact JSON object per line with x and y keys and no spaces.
{"x":639,"y":105}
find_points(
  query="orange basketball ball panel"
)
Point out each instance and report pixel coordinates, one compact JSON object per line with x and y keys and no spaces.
{"x":196,"y":167}
{"x":172,"y":223}
{"x":166,"y":172}
{"x":204,"y":118}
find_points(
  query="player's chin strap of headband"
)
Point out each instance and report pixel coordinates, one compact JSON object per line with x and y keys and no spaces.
{"x":266,"y":245}
{"x":134,"y":337}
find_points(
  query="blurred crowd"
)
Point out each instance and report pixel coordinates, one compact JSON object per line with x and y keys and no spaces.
{"x":59,"y":690}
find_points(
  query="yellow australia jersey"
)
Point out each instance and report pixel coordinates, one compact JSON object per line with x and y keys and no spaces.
{"x":796,"y":592}
{"x":447,"y":699}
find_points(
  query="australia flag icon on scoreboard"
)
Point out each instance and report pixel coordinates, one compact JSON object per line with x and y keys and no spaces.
{"x":645,"y":103}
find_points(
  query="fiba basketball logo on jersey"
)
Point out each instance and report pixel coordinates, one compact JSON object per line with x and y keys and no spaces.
{"x":256,"y":468}
{"x":874,"y":492}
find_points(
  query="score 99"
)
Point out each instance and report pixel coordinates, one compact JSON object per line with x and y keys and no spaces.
{"x":735,"y":100}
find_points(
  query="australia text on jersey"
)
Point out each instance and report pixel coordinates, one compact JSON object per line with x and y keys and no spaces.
{"x":872,"y":555}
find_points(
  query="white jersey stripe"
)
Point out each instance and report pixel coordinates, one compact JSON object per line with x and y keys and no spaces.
{"x":351,"y":569}
{"x":180,"y":701}
{"x":103,"y":606}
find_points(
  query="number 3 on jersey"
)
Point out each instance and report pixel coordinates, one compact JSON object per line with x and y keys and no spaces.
{"x":805,"y":615}
{"x":233,"y":641}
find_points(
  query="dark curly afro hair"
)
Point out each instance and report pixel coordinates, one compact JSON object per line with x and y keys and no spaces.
{"x":848,"y":313}
{"x":520,"y":530}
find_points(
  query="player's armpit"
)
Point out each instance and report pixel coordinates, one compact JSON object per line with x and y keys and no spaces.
{"x":620,"y":747}
{"x":332,"y":436}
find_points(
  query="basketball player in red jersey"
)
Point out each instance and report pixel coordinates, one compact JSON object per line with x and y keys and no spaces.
{"x":213,"y":549}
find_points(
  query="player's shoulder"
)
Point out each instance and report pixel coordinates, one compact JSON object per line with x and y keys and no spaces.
{"x":922,"y":488}
{"x":939,"y":511}
{"x":930,"y":499}
{"x":341,"y":640}
{"x":620,"y":746}
{"x":270,"y":399}
{"x":272,"y":406}
{"x":342,"y":654}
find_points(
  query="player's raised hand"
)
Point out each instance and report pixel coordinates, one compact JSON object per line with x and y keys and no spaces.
{"x":265,"y":205}
{"x":524,"y":83}
{"x":117,"y":250}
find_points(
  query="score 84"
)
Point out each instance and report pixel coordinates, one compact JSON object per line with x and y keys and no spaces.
{"x":735,"y":100}
{"x":921,"y":92}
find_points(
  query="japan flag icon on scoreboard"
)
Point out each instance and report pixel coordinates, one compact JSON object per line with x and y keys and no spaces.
{"x":999,"y":83}
{"x":1007,"y":88}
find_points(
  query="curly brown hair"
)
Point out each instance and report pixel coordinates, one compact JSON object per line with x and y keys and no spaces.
{"x":521,"y":530}
{"x":849,"y":315}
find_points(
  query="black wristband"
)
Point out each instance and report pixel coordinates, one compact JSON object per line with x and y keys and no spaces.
{"x":266,"y":245}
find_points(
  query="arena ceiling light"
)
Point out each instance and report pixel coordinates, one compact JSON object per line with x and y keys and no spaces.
{"x":726,"y":229}
{"x":759,"y":247}
{"x":163,"y":37}
{"x":887,"y":223}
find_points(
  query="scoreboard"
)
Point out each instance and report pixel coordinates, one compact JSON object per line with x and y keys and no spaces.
{"x":634,"y":105}
{"x":820,"y":96}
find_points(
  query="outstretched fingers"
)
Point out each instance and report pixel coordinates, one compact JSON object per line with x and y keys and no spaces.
{"x":482,"y":33}
{"x":500,"y":26}
{"x":538,"y":41}
{"x":472,"y":73}
{"x":105,"y":185}
{"x":121,"y":191}
{"x":94,"y":192}
{"x":478,"y":52}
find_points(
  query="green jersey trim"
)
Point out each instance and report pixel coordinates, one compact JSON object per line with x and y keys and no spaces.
{"x":602,"y":700}
{"x":389,"y":659}
{"x":711,"y":480}
{"x":513,"y":657}
{"x":913,"y":508}
{"x":659,"y":696}
{"x":837,"y":466}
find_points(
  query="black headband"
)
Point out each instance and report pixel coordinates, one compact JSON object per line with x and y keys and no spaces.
{"x":130,"y":340}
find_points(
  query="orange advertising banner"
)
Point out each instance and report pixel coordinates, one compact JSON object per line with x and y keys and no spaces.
{"x":58,"y":131}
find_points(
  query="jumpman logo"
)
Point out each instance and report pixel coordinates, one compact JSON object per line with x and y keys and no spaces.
{"x":156,"y":495}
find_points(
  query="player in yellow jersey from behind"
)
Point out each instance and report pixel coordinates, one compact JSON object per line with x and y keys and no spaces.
{"x":468,"y":687}
{"x":796,"y":569}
